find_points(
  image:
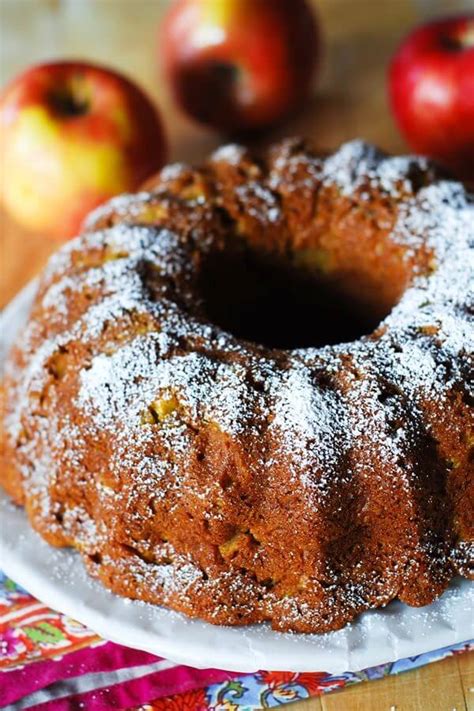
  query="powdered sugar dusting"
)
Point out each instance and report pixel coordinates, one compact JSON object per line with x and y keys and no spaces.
{"x":309,"y":410}
{"x":232,"y":153}
{"x":357,"y":164}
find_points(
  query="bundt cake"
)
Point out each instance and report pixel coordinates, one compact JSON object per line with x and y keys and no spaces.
{"x":245,"y":393}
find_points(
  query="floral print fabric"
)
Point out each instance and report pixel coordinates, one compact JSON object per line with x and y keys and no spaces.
{"x":53,"y":663}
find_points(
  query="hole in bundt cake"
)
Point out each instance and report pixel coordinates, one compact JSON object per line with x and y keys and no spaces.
{"x":280,"y":305}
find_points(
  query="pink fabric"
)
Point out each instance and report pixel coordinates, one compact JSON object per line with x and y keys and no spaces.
{"x":107,"y":656}
{"x":45,"y":654}
{"x":161,"y":684}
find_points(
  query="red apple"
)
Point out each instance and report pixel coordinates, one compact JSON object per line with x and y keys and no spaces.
{"x":71,"y":136}
{"x":431,"y":85}
{"x":238,"y":65}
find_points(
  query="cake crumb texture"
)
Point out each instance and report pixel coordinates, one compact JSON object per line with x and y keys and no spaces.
{"x":233,"y":480}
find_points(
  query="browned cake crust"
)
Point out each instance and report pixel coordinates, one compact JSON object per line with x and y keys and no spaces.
{"x":237,"y":482}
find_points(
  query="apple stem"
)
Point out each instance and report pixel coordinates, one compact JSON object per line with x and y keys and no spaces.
{"x":461,"y":41}
{"x":469,"y":36}
{"x":65,"y":103}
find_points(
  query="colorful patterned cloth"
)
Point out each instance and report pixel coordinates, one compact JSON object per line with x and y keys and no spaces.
{"x":50,"y":662}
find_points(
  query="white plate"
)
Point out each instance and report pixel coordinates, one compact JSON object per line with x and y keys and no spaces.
{"x":58,"y":578}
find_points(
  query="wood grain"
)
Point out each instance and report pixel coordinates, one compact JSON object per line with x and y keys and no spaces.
{"x":465,"y":664}
{"x":435,"y":687}
{"x":444,"y":686}
{"x":350,"y":101}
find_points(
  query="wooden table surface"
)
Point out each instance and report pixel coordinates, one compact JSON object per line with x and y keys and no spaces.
{"x":360,"y":36}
